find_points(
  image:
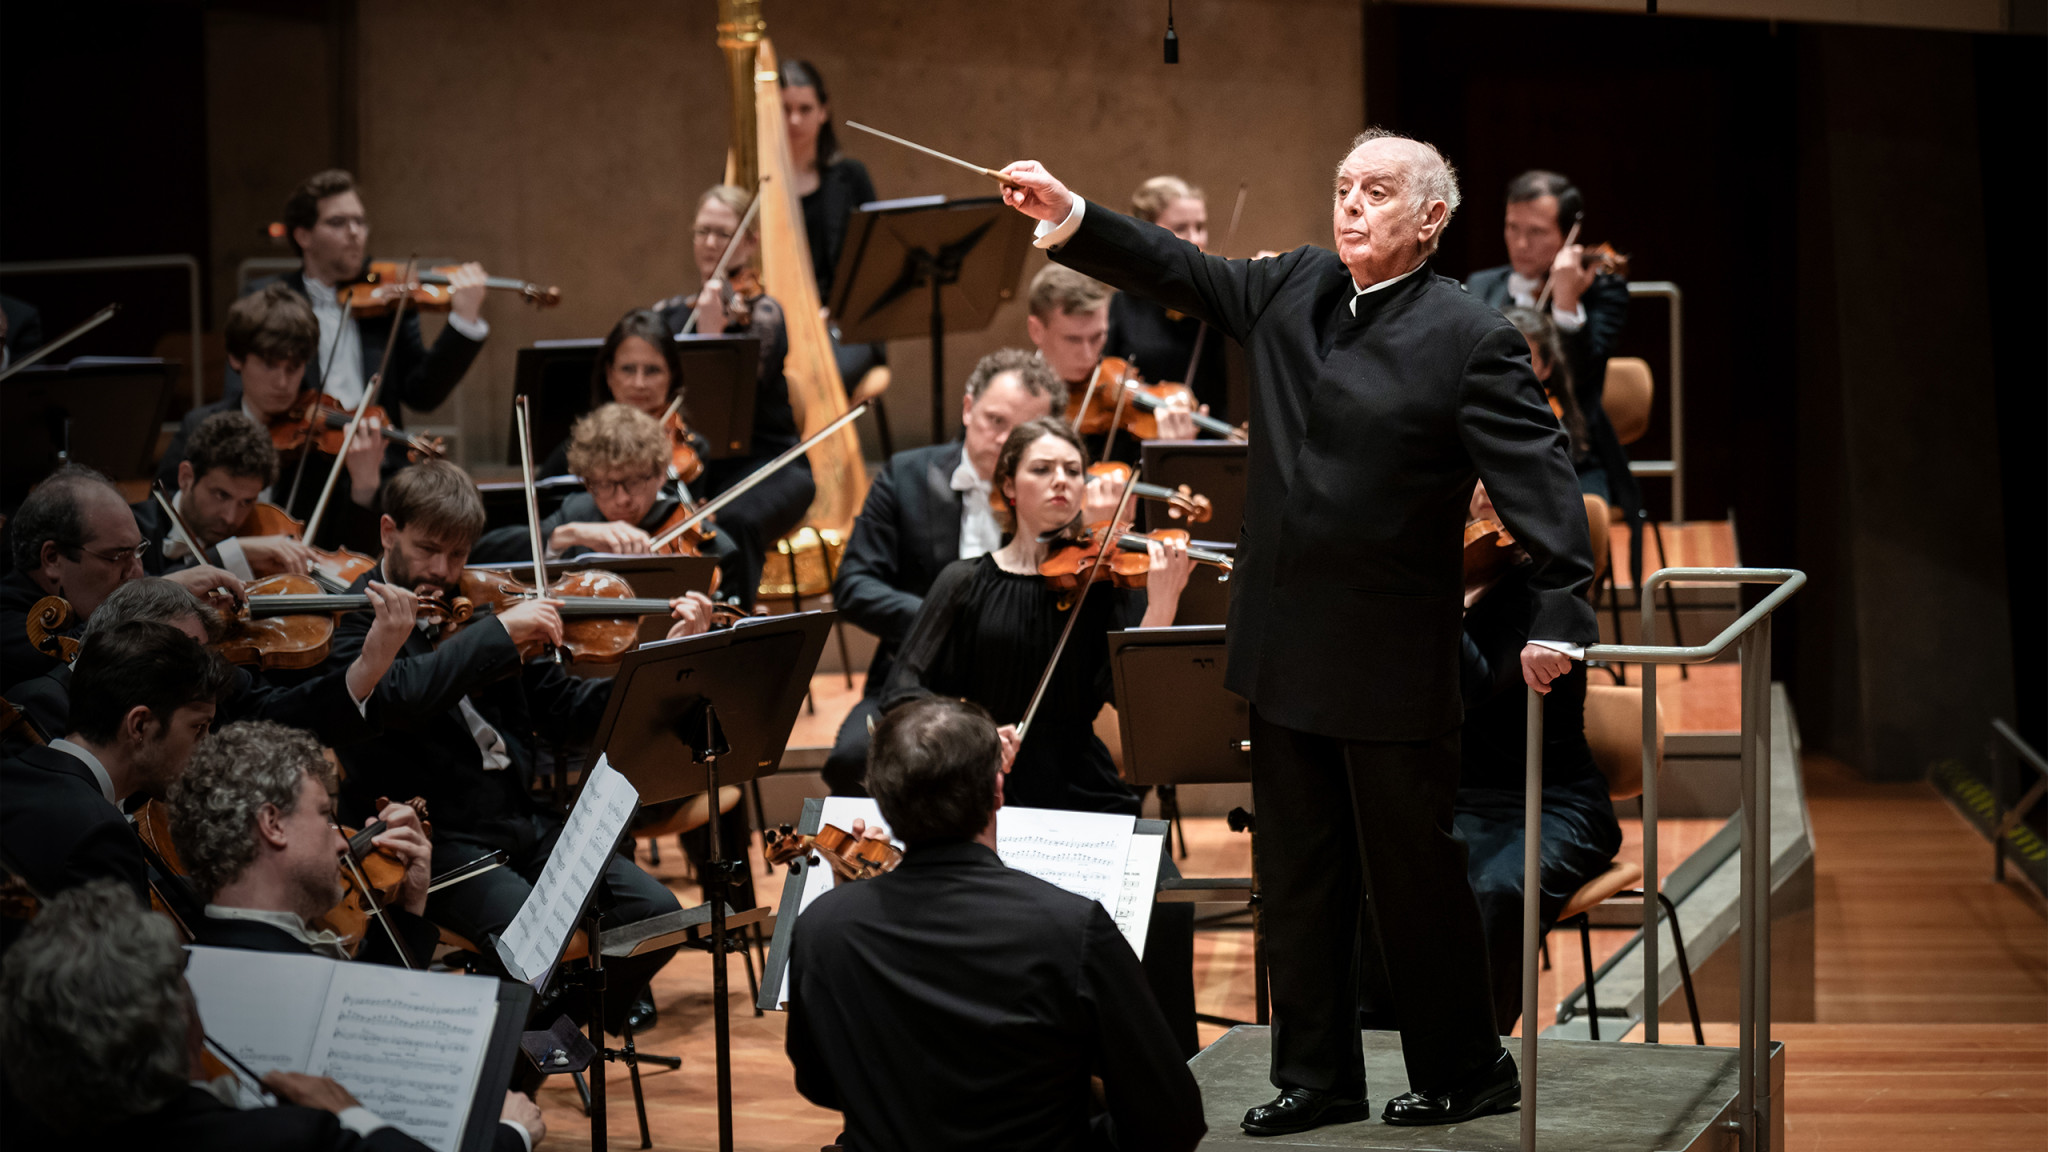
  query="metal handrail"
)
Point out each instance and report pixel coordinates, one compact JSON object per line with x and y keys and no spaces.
{"x":1674,"y":467}
{"x":1753,"y":633}
{"x":132,"y":263}
{"x":2002,"y":823}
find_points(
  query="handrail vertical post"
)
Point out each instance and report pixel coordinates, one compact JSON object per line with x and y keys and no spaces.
{"x":1677,"y":408}
{"x":1745,"y":1094}
{"x":1532,"y":854}
{"x":1762,"y":1055}
{"x":1653,"y":985}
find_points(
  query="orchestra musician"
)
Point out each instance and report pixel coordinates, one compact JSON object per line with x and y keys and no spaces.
{"x":989,"y":626}
{"x":1588,"y":306}
{"x":141,"y":696}
{"x":330,"y":231}
{"x":101,"y":1046}
{"x":926,"y":509}
{"x":831,"y":185}
{"x":774,"y":507}
{"x":253,"y":819}
{"x":951,"y":951}
{"x":1381,"y":392}
{"x":1068,"y":323}
{"x":1159,"y":343}
{"x":460,"y":720}
{"x":271,"y":337}
{"x":74,"y":537}
{"x":229,"y":463}
{"x":1554,"y":371}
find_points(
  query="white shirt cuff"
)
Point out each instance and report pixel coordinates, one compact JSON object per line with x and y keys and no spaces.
{"x":1048,"y":236}
{"x":525,"y":1137}
{"x":361,"y":1120}
{"x":475,"y":329}
{"x":1575,"y":651}
{"x":1568,"y":322}
{"x":233,"y":559}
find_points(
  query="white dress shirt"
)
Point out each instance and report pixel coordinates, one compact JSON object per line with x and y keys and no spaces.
{"x":1523,"y":291}
{"x":323,"y":942}
{"x":99,"y":770}
{"x":341,"y":344}
{"x":979,"y":532}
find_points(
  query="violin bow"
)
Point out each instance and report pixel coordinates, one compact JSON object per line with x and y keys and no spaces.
{"x":524,"y":417}
{"x":1229,"y":239}
{"x":348,"y":436}
{"x":725,"y":259}
{"x":182,"y":530}
{"x":377,"y":910}
{"x":1550,"y":282}
{"x":91,"y":322}
{"x":710,"y":507}
{"x":1116,"y":418}
{"x":1110,"y":538}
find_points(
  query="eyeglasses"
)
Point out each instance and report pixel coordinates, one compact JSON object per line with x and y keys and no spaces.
{"x":622,"y":487}
{"x":718,"y":234}
{"x":120,"y":556}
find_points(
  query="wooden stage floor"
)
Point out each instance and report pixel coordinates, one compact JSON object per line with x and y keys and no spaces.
{"x":1932,"y":996}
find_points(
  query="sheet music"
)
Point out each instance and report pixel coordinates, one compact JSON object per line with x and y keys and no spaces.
{"x":1082,"y":852}
{"x":541,"y":930}
{"x":1134,"y":900}
{"x":409,"y":1045}
{"x":261,"y":1006}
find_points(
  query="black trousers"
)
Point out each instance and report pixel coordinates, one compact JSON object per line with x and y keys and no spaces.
{"x":1572,"y":852}
{"x":1339,"y":822}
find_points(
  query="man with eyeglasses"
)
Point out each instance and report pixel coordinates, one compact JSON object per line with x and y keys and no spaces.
{"x":327,"y":226}
{"x":76,"y":538}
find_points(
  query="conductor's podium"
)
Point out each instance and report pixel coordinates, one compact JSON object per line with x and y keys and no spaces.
{"x":1594,"y":1097}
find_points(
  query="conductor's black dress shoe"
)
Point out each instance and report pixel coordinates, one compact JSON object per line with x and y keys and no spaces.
{"x":1300,"y":1109}
{"x":1497,"y":1089}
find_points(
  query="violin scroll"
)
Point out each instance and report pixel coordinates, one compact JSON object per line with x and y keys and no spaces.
{"x":46,"y":618}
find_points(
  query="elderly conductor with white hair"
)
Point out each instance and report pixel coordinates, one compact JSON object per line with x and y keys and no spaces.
{"x":1381,"y":392}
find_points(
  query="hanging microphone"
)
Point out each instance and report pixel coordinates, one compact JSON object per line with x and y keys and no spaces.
{"x":1172,"y":41}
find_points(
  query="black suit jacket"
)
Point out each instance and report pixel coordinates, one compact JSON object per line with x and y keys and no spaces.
{"x":1347,"y":604}
{"x":418,"y":932}
{"x":347,"y":524}
{"x":60,"y":831}
{"x":195,"y":1121}
{"x":156,"y":528}
{"x":425,"y":749}
{"x":907,"y":532}
{"x":19,"y":659}
{"x":1001,"y":995}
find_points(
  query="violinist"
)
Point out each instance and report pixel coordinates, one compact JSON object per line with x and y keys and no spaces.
{"x":461,"y":721}
{"x":253,"y":820}
{"x":1069,"y":325}
{"x":229,"y":463}
{"x":327,"y":226}
{"x":926,"y":509}
{"x":271,"y":336}
{"x":76,"y":538}
{"x":141,"y":697}
{"x":1381,"y":391}
{"x":1159,"y":343}
{"x":1554,"y":371}
{"x":773,"y":508}
{"x":989,"y":626}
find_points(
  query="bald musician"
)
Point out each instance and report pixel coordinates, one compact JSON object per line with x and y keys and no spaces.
{"x":1382,"y":391}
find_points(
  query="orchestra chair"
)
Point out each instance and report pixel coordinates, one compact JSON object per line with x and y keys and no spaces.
{"x":873,"y":383}
{"x":1597,"y":534}
{"x":1614,"y":731}
{"x":1630,"y":393}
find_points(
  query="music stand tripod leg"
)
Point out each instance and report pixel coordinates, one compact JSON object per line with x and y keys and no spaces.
{"x":594,"y":981}
{"x":713,"y":746}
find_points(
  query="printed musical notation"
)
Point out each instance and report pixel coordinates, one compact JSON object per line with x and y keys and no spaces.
{"x":537,"y":936}
{"x":1082,"y":852}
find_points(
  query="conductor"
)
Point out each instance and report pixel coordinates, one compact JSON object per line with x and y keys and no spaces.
{"x":1382,"y":390}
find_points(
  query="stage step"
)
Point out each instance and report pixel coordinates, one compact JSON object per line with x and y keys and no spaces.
{"x":1592,"y":1097}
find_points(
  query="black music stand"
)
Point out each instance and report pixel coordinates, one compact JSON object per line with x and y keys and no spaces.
{"x":505,"y":500}
{"x":1182,"y":726}
{"x":730,"y":699}
{"x":100,"y":411}
{"x":719,"y":374}
{"x":923,"y":265}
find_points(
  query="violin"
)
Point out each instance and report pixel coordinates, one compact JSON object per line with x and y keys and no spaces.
{"x":1095,"y":411}
{"x":288,"y":622}
{"x":1489,"y":552}
{"x":1083,"y":561}
{"x":365,"y":864}
{"x":686,"y":460}
{"x":600,"y":614}
{"x":1604,"y":260}
{"x":320,"y":420}
{"x":336,"y":570}
{"x":1181,"y":503}
{"x":384,"y":284}
{"x":851,"y":858}
{"x":47,"y":618}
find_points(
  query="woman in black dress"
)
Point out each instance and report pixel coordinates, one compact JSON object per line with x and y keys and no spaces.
{"x":832,"y":184}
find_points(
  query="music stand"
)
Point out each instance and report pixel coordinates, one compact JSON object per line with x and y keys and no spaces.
{"x":730,"y":698}
{"x":1213,"y":468}
{"x":99,"y":411}
{"x":923,"y":265}
{"x":505,"y":500}
{"x":719,"y":375}
{"x":1182,"y":726}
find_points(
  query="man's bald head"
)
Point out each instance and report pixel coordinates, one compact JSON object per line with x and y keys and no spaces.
{"x":1393,"y":198}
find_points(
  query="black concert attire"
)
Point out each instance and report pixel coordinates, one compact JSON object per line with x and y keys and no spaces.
{"x":19,"y":659}
{"x":418,"y":933}
{"x":1376,"y":412}
{"x":1002,"y":994}
{"x":474,"y":764}
{"x":1161,"y":344}
{"x":59,"y":828}
{"x":773,"y":508}
{"x":843,"y":185}
{"x":24,"y":327}
{"x":985,"y":635}
{"x":321,"y":704}
{"x":346,"y":524}
{"x":198,"y":1121}
{"x":907,"y":532}
{"x":515,"y":542}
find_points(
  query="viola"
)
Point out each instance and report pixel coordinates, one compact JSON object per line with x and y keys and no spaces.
{"x":372,"y":878}
{"x":1181,"y":503}
{"x":288,"y":622}
{"x":600,"y":614}
{"x":1489,"y":552}
{"x":1083,"y":561}
{"x":851,"y":858}
{"x":46,"y":619}
{"x":384,"y":284}
{"x":1094,"y":412}
{"x":320,"y":420}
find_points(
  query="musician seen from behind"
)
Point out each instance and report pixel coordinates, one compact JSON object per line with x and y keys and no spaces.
{"x":1382,"y":391}
{"x":1158,"y":342}
{"x":462,"y":717}
{"x":1002,"y":994}
{"x":329,"y":229}
{"x":101,"y":1046}
{"x":253,"y":820}
{"x":736,"y":305}
{"x":1588,"y":307}
{"x":1068,"y":323}
{"x":271,"y":337}
{"x":74,"y":537}
{"x":927,"y":508}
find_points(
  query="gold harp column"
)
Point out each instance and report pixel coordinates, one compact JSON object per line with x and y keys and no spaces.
{"x":815,"y":390}
{"x":740,"y":29}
